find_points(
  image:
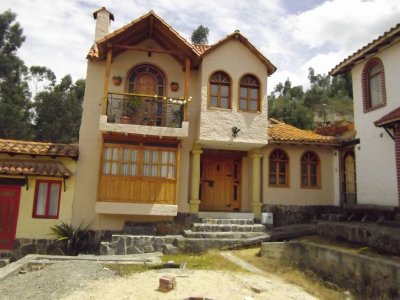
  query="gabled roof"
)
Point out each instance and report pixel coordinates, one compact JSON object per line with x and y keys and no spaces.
{"x":33,"y":168}
{"x":14,"y":147}
{"x":238,"y":36}
{"x":147,"y":26}
{"x":389,"y":119}
{"x":280,"y":132}
{"x":385,"y":39}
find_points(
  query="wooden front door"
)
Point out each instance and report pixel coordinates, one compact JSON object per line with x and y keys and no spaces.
{"x":220,"y":184}
{"x":350,"y":178}
{"x":9,"y":205}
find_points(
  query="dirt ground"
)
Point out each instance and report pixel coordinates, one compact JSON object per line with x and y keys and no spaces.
{"x":90,"y":280}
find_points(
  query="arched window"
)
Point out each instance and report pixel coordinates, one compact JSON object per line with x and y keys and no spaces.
{"x":373,"y":83}
{"x":220,"y":90}
{"x":146,"y":79}
{"x":278,"y":168}
{"x":249,"y":94}
{"x":310,"y":170}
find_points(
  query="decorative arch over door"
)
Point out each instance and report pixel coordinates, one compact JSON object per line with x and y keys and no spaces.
{"x":147,"y":79}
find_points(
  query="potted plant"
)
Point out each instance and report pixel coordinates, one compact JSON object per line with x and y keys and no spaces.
{"x":117,"y":80}
{"x":130,"y":105}
{"x":174,"y":86}
{"x":176,"y":119}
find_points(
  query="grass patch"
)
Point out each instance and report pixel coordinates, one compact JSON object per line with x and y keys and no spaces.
{"x":211,"y":260}
{"x":308,"y":280}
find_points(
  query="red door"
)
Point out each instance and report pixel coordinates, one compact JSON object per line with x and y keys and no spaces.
{"x":9,"y":205}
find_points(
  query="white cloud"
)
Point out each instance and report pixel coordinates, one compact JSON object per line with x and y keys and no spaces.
{"x":59,"y":33}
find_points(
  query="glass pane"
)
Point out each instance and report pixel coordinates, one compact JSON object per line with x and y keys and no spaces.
{"x":375,"y":90}
{"x":125,"y":169}
{"x":224,"y":103}
{"x":115,"y":154}
{"x":213,"y":90}
{"x":146,"y":156}
{"x":155,"y":157}
{"x":282,"y":167}
{"x":154,"y":170}
{"x":282,"y":179}
{"x":107,"y":153}
{"x":146,"y":170}
{"x":313,"y":169}
{"x":243,"y":104}
{"x":171,"y":172}
{"x":164,"y":170}
{"x":164,"y":157}
{"x":54,"y":194}
{"x":224,"y":91}
{"x":125,"y":155}
{"x":253,"y":106}
{"x":272,"y":179}
{"x":272,"y":167}
{"x":254,"y":94}
{"x":41,"y":199}
{"x":213,"y":101}
{"x":133,"y":155}
{"x":243,"y":92}
{"x":114,"y":168}
{"x":313,"y":180}
{"x":133,"y":170}
{"x":172,"y":157}
{"x":106,"y":168}
{"x":303,"y":168}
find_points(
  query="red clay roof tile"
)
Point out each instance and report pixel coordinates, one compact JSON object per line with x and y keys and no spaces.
{"x":33,"y":168}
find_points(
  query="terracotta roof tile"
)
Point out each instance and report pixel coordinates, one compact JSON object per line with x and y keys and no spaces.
{"x":33,"y":167}
{"x":369,"y":49}
{"x":281,"y":132}
{"x":393,"y":116}
{"x":38,"y":148}
{"x":201,"y":48}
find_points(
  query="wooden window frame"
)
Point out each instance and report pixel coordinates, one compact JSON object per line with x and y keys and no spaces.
{"x":150,"y":69}
{"x":141,"y":148}
{"x":277,"y":172}
{"x":308,"y":172}
{"x":35,"y":202}
{"x":248,"y":88}
{"x":219,"y":84}
{"x":366,"y":90}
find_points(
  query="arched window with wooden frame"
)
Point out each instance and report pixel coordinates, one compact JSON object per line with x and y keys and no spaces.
{"x":373,"y":85}
{"x":278,"y":168}
{"x":249,"y":93}
{"x":310,"y":170}
{"x":220,"y":90}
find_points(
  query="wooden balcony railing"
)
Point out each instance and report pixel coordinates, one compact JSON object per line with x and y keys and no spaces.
{"x":146,"y":110}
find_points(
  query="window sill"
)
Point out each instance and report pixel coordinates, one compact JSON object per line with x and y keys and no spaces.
{"x":278,"y":186}
{"x":311,"y":187}
{"x":249,"y":111}
{"x":372,"y":108}
{"x":219,"y":108}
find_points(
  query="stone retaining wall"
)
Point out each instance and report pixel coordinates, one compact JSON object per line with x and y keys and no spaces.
{"x":369,"y":277}
{"x":373,"y":235}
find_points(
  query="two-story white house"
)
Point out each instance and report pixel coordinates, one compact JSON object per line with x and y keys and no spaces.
{"x":375,"y":70}
{"x":171,"y":127}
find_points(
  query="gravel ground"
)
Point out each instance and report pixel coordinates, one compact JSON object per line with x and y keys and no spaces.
{"x":77,"y":280}
{"x":54,"y":281}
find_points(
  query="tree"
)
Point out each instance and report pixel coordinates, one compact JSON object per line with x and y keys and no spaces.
{"x":200,"y":35}
{"x":59,"y":111}
{"x":40,"y":78}
{"x":15,"y":106}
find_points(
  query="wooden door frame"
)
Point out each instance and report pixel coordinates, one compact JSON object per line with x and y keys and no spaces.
{"x":343,"y":153}
{"x":235,"y":156}
{"x":14,"y":217}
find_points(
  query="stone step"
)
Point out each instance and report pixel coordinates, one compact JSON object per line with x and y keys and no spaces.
{"x":122,"y":244}
{"x":199,"y":227}
{"x":221,"y":235}
{"x":228,"y":221}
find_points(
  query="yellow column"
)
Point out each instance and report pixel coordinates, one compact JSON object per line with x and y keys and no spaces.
{"x":194,"y":193}
{"x":255,"y":156}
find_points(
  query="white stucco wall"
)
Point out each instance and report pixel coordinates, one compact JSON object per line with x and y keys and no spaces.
{"x":294,"y":194}
{"x":375,"y":155}
{"x":215,"y":124}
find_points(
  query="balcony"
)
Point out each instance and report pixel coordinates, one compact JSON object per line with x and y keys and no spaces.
{"x":145,"y":115}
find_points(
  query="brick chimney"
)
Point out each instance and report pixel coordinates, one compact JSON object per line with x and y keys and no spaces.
{"x":103,"y":19}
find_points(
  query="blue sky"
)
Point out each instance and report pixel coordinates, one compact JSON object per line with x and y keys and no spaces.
{"x":294,"y":35}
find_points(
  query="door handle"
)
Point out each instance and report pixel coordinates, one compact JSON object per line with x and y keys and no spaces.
{"x":210,"y":182}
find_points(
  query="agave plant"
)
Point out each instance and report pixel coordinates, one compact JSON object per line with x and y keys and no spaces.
{"x":71,"y":241}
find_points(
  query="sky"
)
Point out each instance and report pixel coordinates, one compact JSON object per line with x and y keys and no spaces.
{"x":293,"y":34}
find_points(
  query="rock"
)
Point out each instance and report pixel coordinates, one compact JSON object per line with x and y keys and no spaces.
{"x":256,"y":289}
{"x":167,"y":283}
